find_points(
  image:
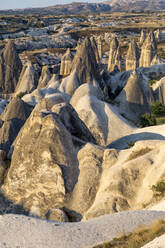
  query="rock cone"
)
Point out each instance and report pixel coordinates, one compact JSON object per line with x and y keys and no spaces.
{"x":45,"y":77}
{"x":149,"y":50}
{"x":114,"y":55}
{"x":12,"y":119}
{"x":66,"y":62}
{"x":10,"y":68}
{"x":28,"y":79}
{"x":132,"y":57}
{"x":135,"y":97}
{"x":85,"y":63}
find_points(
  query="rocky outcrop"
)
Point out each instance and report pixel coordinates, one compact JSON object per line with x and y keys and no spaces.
{"x":149,"y":50}
{"x":53,"y":94}
{"x":85,"y":64}
{"x":72,"y":122}
{"x":143,"y":35}
{"x":112,"y":180}
{"x":122,"y":176}
{"x":10,"y":68}
{"x":44,"y":78}
{"x":4,"y":164}
{"x":134,"y":99}
{"x":118,"y":59}
{"x":12,"y":119}
{"x":159,"y":91}
{"x":114,"y":55}
{"x":100,"y":117}
{"x":87,"y":186}
{"x":100,"y":47}
{"x":66,"y":62}
{"x":95,"y":48}
{"x":156,"y":60}
{"x":40,"y":175}
{"x":28,"y":79}
{"x":132,"y":57}
{"x":70,"y":83}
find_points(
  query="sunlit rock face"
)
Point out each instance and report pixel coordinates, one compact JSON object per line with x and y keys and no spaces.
{"x":114,"y":55}
{"x":132,"y":57}
{"x":66,"y":62}
{"x":10,"y":68}
{"x":149,"y":50}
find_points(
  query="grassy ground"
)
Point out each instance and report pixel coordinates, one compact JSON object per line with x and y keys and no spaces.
{"x":137,"y":238}
{"x":160,"y":120}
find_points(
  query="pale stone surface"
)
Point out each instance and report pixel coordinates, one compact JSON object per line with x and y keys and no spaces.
{"x":149,"y":50}
{"x":41,"y":174}
{"x":156,"y":243}
{"x":132,"y":57}
{"x":90,"y":166}
{"x":12,"y":119}
{"x":95,"y":48}
{"x":85,"y":63}
{"x":70,"y":83}
{"x":66,"y":62}
{"x":113,"y":181}
{"x":102,"y":119}
{"x":114,"y":55}
{"x":28,"y":79}
{"x":44,"y":78}
{"x":142,"y":37}
{"x":100,"y":47}
{"x":10,"y":68}
{"x":22,"y":231}
{"x":134,"y":99}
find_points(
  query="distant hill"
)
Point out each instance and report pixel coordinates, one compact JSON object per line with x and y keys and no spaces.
{"x":136,"y":5}
{"x":73,"y":8}
{"x":92,"y":8}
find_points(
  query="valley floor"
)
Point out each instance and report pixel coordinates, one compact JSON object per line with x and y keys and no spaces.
{"x":28,"y":232}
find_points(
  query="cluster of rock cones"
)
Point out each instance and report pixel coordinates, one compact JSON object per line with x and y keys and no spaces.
{"x":59,"y":159}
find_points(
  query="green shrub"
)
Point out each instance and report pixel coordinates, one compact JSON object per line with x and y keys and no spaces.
{"x":151,"y":82}
{"x":157,"y":108}
{"x":20,"y":95}
{"x":147,"y":120}
{"x":159,"y":187}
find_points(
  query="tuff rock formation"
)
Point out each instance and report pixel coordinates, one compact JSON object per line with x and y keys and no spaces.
{"x":134,"y":99}
{"x":66,"y":62}
{"x":45,"y":77}
{"x":149,"y":50}
{"x":10,"y":68}
{"x":100,"y":117}
{"x":28,"y":79}
{"x":143,"y":35}
{"x":12,"y":119}
{"x":95,"y":48}
{"x":114,"y":55}
{"x":70,"y":83}
{"x":52,"y":93}
{"x":156,"y":60}
{"x":85,"y":64}
{"x":132,"y":57}
{"x":4,"y":164}
{"x":159,"y":91}
{"x":100,"y":47}
{"x":40,"y":175}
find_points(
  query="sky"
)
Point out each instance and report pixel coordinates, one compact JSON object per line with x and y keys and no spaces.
{"x":18,"y":4}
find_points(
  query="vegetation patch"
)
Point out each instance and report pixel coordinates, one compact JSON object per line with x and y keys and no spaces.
{"x":157,"y":108}
{"x":147,"y":120}
{"x":137,"y":238}
{"x":136,"y":154}
{"x":159,"y":188}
